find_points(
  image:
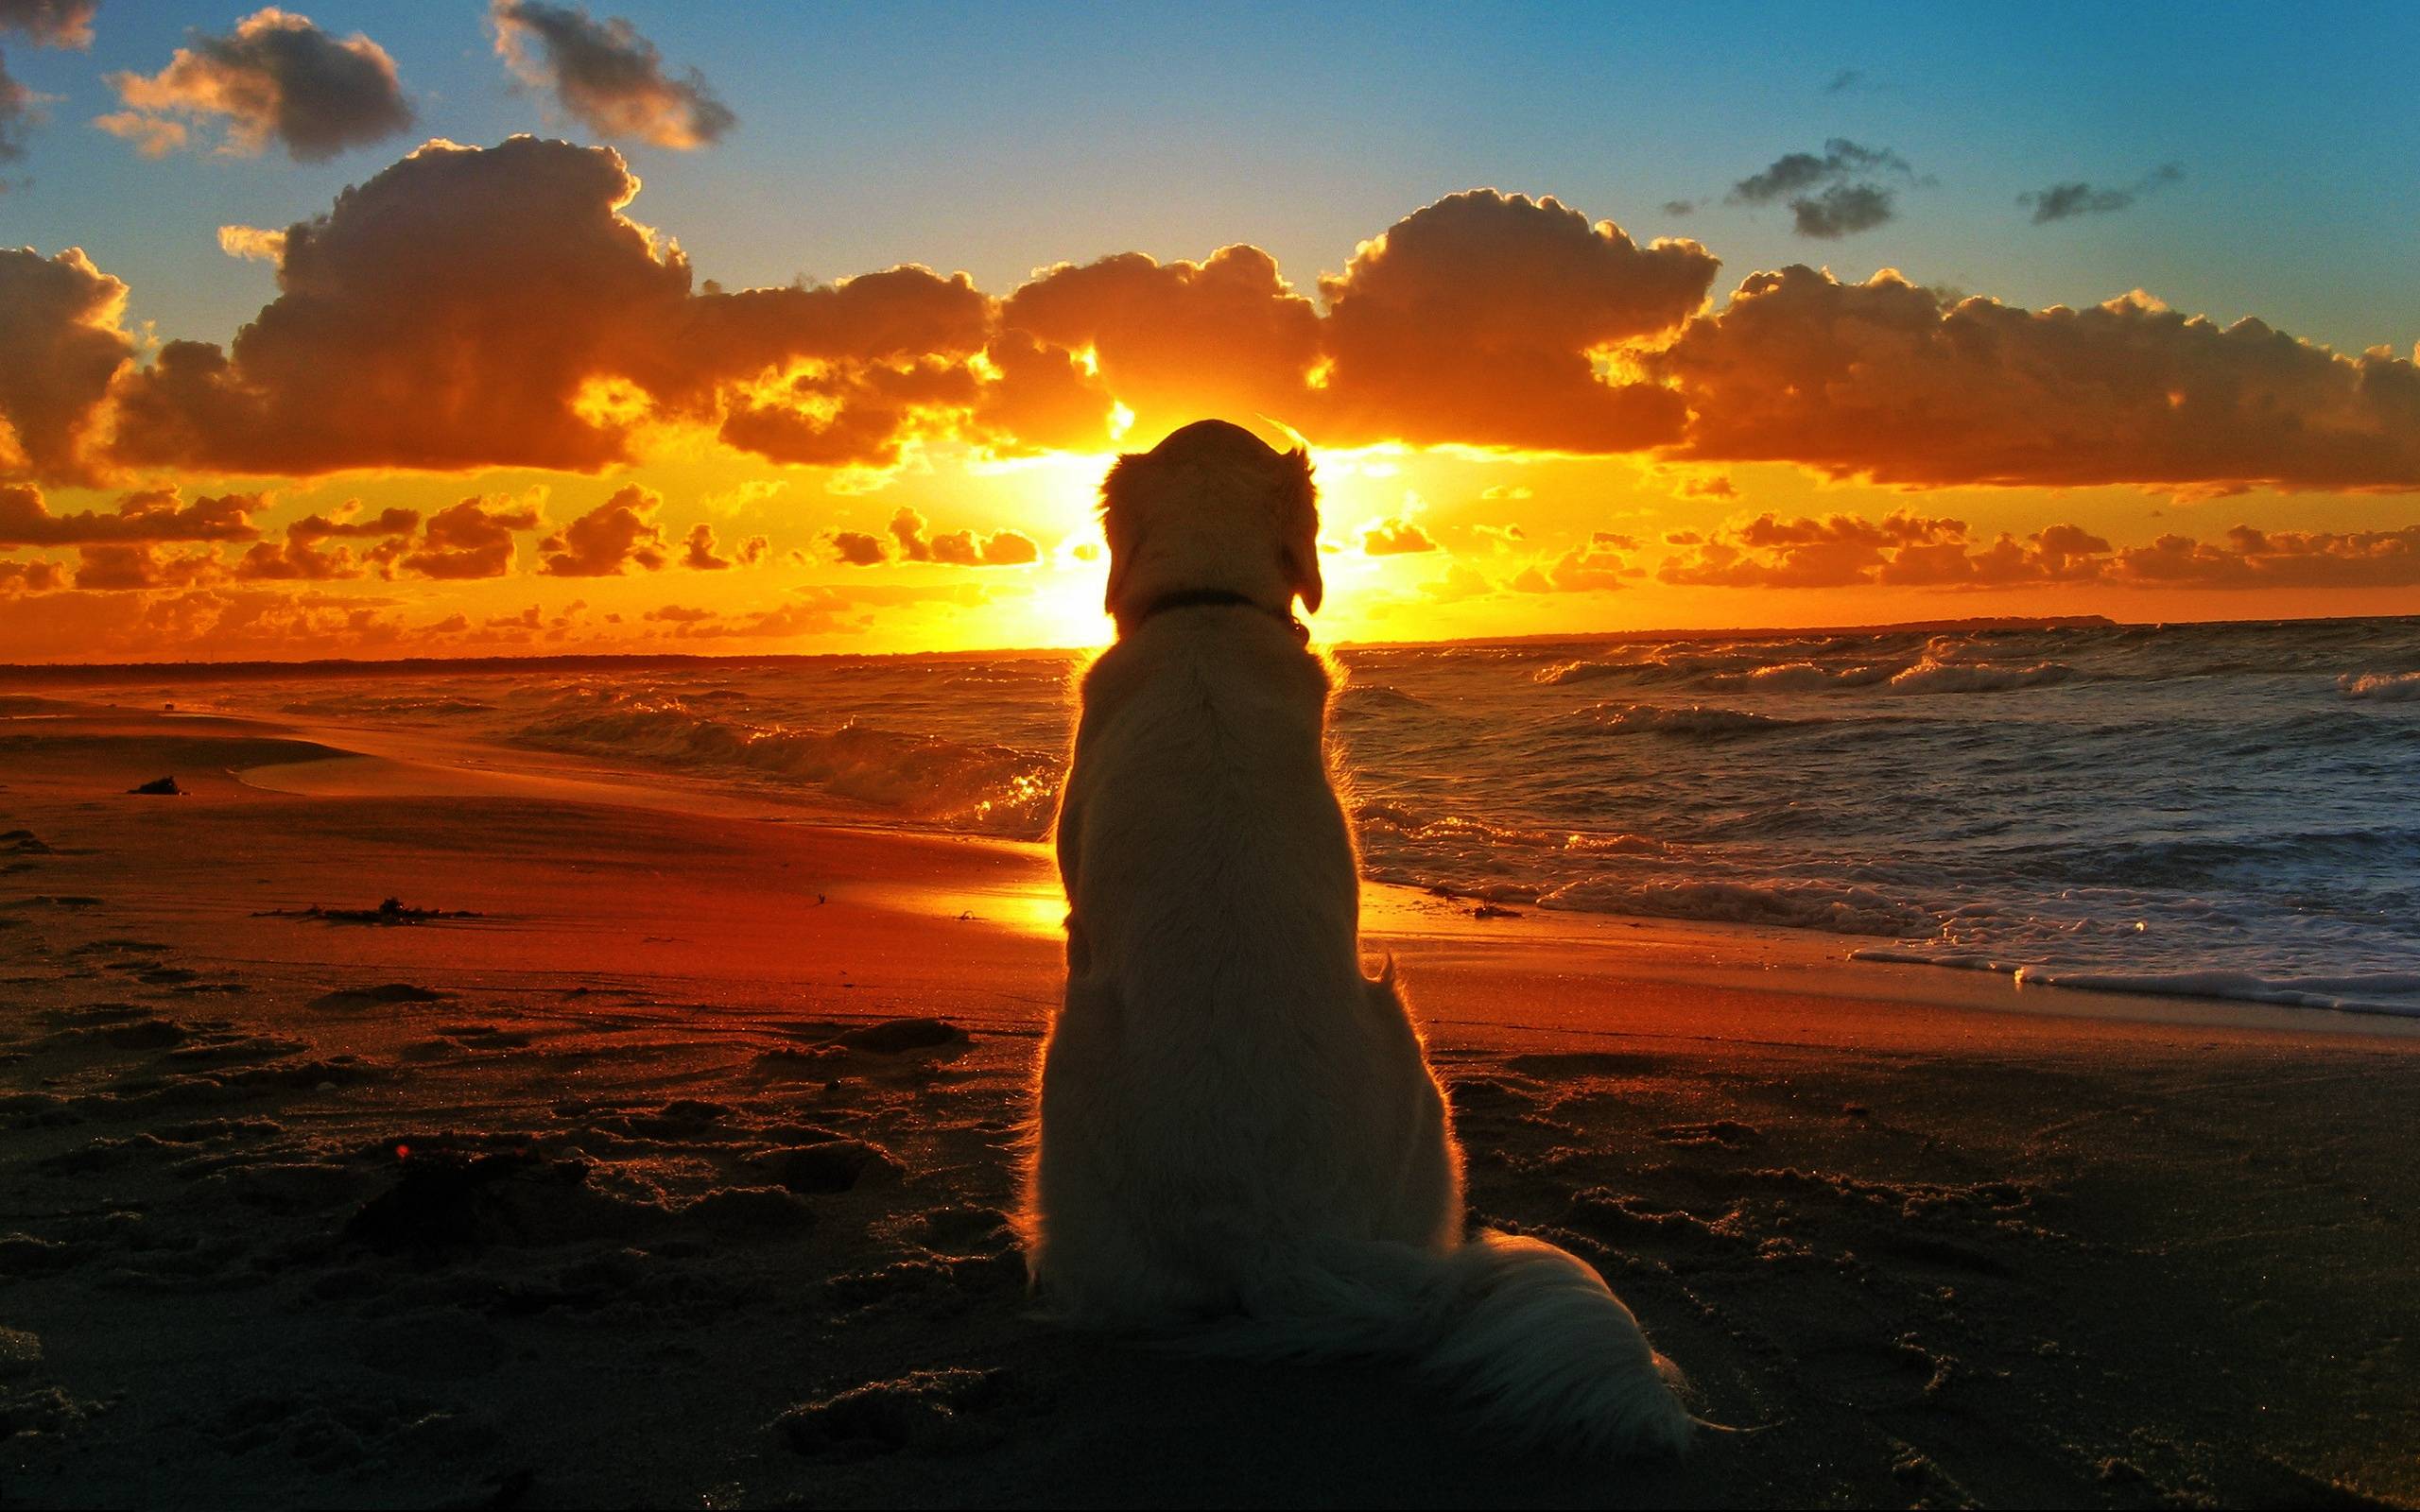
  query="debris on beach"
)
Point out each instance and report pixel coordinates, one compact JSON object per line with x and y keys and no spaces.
{"x":391,"y":911}
{"x":1493,"y":911}
{"x":893,"y":1036}
{"x":158,"y":787}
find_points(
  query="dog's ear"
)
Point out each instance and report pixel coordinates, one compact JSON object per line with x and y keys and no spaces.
{"x":1300,"y":534}
{"x":1125,"y":476}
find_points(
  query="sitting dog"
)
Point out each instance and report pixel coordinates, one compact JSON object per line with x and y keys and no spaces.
{"x":1240,"y":1141}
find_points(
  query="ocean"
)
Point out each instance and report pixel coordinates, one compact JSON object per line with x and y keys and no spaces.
{"x":2226,"y":810}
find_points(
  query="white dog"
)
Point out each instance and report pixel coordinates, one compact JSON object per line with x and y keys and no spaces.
{"x":1240,"y":1134}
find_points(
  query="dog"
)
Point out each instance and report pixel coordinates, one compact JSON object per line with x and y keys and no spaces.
{"x":1240,"y":1145}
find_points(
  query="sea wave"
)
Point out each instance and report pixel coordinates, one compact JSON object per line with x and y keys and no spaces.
{"x":2382,"y":687}
{"x":1706,"y":721}
{"x":1786,"y":902}
{"x":1934,"y":676}
{"x":2395,"y":993}
{"x":1802,"y":677}
{"x":989,"y":788}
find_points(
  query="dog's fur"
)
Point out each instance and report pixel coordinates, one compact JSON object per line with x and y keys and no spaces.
{"x":1240,"y":1141}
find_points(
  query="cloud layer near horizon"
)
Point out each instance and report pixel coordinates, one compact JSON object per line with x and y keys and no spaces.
{"x":470,"y":308}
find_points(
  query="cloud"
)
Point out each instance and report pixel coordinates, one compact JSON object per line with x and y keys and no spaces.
{"x":1394,"y":537}
{"x":276,"y":76}
{"x":1595,"y":566}
{"x":469,"y":308}
{"x":1476,"y":320}
{"x":36,"y":576}
{"x":293,"y":559}
{"x":51,"y":23}
{"x":137,"y":567}
{"x":1895,"y":384}
{"x":607,"y":75}
{"x":251,"y":243}
{"x":386,"y":523}
{"x":2065,"y":201}
{"x":151,"y":515}
{"x":698,"y":551}
{"x":619,"y":534}
{"x":2248,"y":558}
{"x":962,"y":548}
{"x":473,"y":539}
{"x":1772,"y":552}
{"x":1830,"y":195}
{"x":1174,"y":341}
{"x":60,"y":323}
{"x":857,"y":549}
{"x":1846,"y":79}
{"x":17,"y":111}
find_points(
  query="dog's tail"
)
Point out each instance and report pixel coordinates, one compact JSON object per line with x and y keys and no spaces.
{"x":1524,"y":1332}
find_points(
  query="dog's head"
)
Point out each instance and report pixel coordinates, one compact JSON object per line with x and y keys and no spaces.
{"x":1212,"y":509}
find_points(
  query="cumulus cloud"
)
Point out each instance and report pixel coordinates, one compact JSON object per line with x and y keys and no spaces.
{"x":1173,"y":342}
{"x":36,"y":576}
{"x":275,"y":77}
{"x":346,"y":521}
{"x":60,"y":323}
{"x":1478,"y":320}
{"x":2065,"y":201}
{"x":296,"y":560}
{"x":855,"y":548}
{"x":607,"y":75}
{"x":469,"y":308}
{"x":140,"y":567}
{"x":1394,"y":537}
{"x":617,"y":535}
{"x":1830,"y":195}
{"x":1896,"y":384}
{"x":51,"y":23}
{"x":962,"y":548}
{"x":473,"y":539}
{"x":151,"y":515}
{"x":700,"y":552}
{"x":1596,"y":565}
{"x":251,"y":243}
{"x":1912,"y":551}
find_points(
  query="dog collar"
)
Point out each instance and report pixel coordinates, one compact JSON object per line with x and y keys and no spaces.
{"x":1200,"y":597}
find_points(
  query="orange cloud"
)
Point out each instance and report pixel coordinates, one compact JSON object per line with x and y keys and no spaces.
{"x":698,"y":551}
{"x":1906,"y":550}
{"x":1895,"y":384}
{"x":607,"y":75}
{"x":1478,"y":320}
{"x":122,"y":568}
{"x":1174,"y":341}
{"x":1393,"y":537}
{"x":36,"y":576}
{"x":855,"y":548}
{"x":616,"y":535}
{"x":963,"y":548}
{"x":154,"y":514}
{"x":51,"y":23}
{"x":1595,"y":566}
{"x":473,"y":539}
{"x":59,"y":324}
{"x":276,"y":76}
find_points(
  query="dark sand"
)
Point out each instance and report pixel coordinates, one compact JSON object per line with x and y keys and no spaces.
{"x":672,"y":1229}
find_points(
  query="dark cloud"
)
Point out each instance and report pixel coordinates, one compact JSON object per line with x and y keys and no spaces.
{"x":61,"y":327}
{"x":1845,"y":80}
{"x":296,"y":560}
{"x":17,"y":112}
{"x":473,"y":539}
{"x":153,"y":515}
{"x":51,"y":23}
{"x":1478,"y":318}
{"x":387,"y":522}
{"x":857,"y":549}
{"x":36,"y":576}
{"x":1772,"y":552}
{"x":1830,"y":195}
{"x":2249,"y":557}
{"x":140,"y":567}
{"x":1887,"y":380}
{"x":1394,"y":537}
{"x":276,"y":78}
{"x":2065,"y":201}
{"x":701,"y":553}
{"x":962,"y":548}
{"x":617,"y":535}
{"x":1680,"y":207}
{"x":1595,"y":566}
{"x":607,"y":75}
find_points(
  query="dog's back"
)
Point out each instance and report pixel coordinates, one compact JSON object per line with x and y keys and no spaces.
{"x":1238,"y":1131}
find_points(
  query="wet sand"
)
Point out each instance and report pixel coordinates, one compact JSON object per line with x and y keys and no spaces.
{"x":670,"y":1165}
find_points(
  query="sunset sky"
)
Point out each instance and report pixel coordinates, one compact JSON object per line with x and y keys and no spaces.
{"x":471,"y":328}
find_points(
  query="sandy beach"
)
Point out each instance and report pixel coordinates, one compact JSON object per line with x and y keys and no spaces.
{"x":653,"y":1147}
